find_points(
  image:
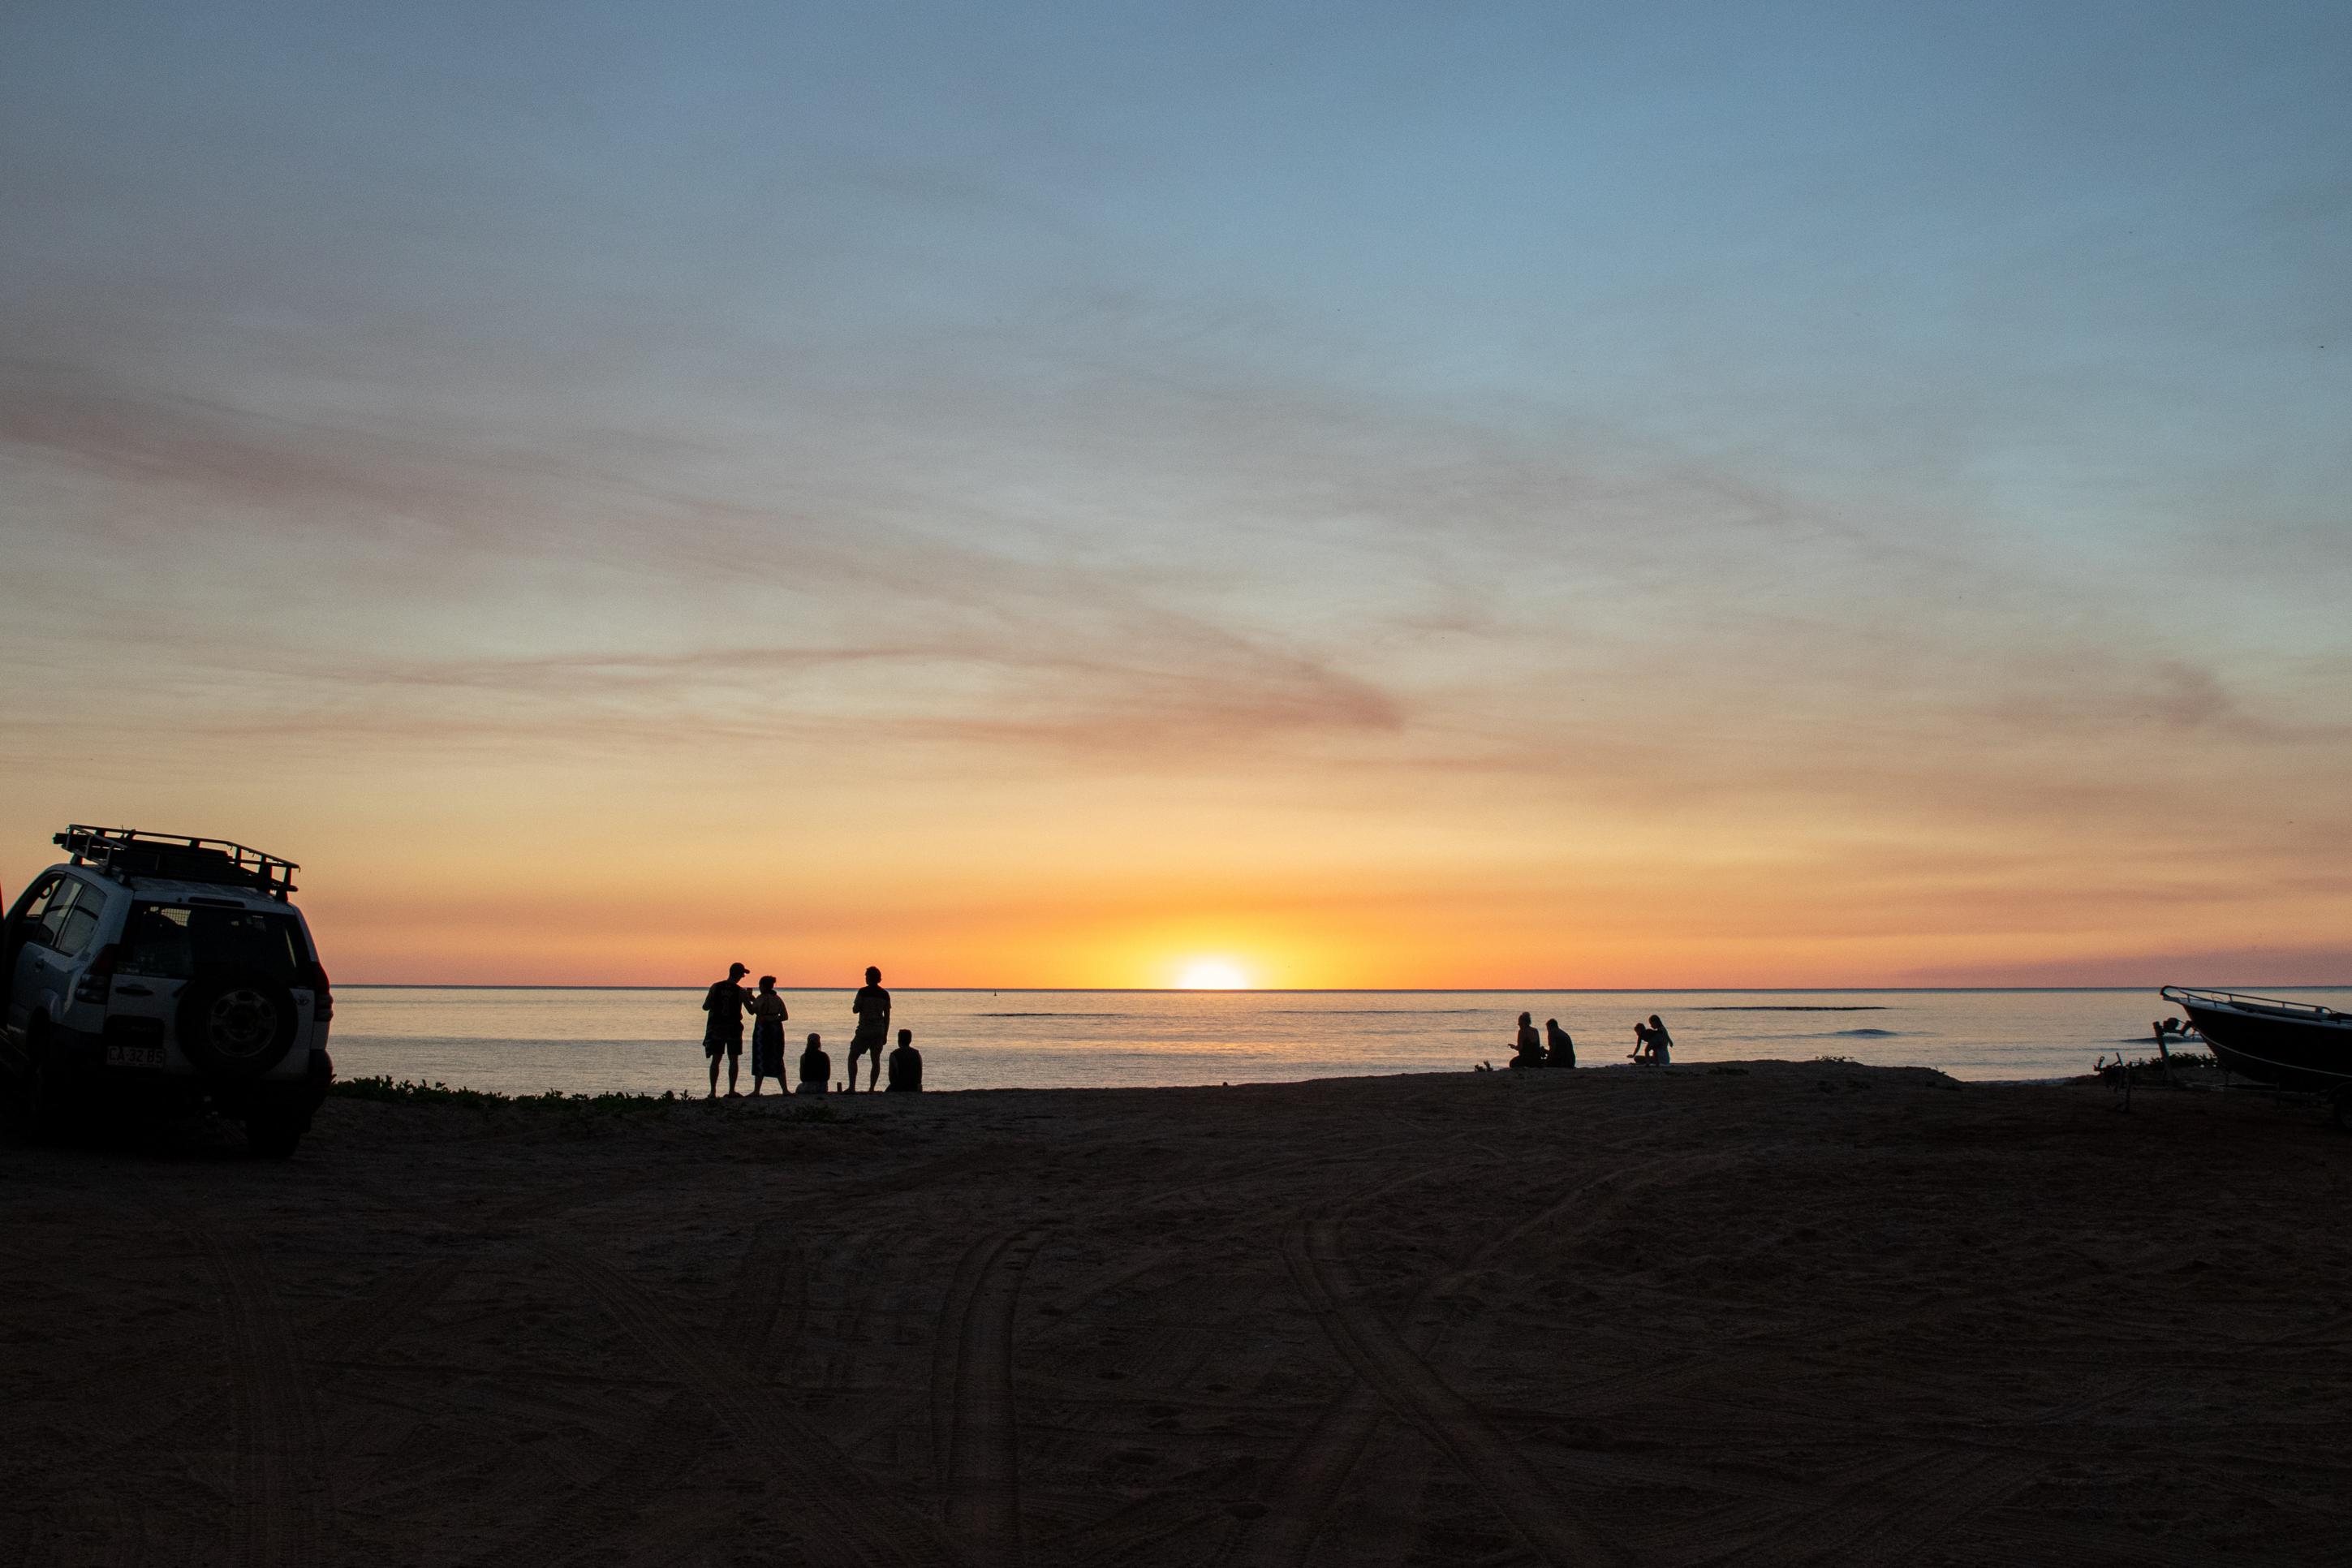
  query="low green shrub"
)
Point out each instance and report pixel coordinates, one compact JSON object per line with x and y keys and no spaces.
{"x":403,"y":1091}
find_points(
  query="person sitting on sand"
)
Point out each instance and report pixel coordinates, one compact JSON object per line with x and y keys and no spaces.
{"x":1529,"y":1044}
{"x":872,"y":1005}
{"x":1560,"y":1051}
{"x":768,"y":1016}
{"x":1653,"y":1046}
{"x":725,"y":1003}
{"x":906,"y":1066}
{"x":816,"y":1068}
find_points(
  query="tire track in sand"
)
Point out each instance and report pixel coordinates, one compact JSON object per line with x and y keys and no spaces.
{"x":1309,"y":1484}
{"x":770,"y":1295}
{"x":275,"y":1516}
{"x":864,"y":1532}
{"x":1312,"y":1479}
{"x":1412,"y":1389}
{"x":366,"y":1324}
{"x":975,"y":1437}
{"x":1890,"y":1519}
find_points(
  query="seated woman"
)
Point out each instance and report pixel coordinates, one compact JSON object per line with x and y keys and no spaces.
{"x":1661,"y":1044}
{"x":816,"y":1068}
{"x":1529,"y":1053}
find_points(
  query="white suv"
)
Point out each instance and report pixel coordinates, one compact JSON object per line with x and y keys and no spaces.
{"x":166,"y":970}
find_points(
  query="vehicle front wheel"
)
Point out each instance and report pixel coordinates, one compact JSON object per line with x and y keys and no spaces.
{"x":273,"y":1135}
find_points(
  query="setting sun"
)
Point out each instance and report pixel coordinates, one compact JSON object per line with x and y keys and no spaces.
{"x":1213,"y":975}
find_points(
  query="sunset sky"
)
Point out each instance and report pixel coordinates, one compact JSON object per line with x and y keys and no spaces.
{"x":1415,"y":496}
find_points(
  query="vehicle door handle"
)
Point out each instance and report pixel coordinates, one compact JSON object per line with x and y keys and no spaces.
{"x":132,"y":990}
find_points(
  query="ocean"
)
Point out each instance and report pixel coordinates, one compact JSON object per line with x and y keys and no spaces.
{"x":594,"y":1040}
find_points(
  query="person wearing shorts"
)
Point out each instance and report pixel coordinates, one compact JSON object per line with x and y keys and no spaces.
{"x":872,"y":1005}
{"x":724,"y":1032}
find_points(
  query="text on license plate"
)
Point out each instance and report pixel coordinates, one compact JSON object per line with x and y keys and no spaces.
{"x":134,"y":1056}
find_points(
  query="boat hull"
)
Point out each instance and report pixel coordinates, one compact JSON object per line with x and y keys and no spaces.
{"x":2290,"y":1045}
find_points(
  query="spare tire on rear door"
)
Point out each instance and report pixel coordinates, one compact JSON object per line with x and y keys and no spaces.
{"x":236,"y":1022}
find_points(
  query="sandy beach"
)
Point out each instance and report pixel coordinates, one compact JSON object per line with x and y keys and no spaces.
{"x":1798,"y":1313}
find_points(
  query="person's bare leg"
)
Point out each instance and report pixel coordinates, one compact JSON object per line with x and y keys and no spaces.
{"x":734,"y":1063}
{"x":714,"y":1076}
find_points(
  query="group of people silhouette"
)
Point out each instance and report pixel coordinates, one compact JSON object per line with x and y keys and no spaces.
{"x":728,"y":1003}
{"x":1652,"y":1046}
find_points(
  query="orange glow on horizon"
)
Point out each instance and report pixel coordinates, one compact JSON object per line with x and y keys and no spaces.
{"x":1213,"y":975}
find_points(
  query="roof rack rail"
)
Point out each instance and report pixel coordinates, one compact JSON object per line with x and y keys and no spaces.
{"x":136,"y":852}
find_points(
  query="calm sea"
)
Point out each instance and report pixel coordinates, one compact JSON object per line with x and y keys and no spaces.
{"x":591,"y":1041}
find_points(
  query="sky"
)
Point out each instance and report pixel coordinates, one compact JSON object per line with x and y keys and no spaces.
{"x":1375,"y":495}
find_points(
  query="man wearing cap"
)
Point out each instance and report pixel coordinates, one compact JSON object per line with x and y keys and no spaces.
{"x":724,"y":1032}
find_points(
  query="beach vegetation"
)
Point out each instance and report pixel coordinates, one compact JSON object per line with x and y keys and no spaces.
{"x":404,"y":1092}
{"x":576,"y":1110}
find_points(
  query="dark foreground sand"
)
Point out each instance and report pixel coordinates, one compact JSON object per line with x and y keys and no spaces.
{"x":1809,"y":1315}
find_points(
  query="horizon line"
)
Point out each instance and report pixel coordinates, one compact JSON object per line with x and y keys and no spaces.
{"x":1333,"y":990}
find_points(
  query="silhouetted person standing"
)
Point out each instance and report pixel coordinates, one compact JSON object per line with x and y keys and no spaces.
{"x":768,"y":1016}
{"x":1559,"y":1051}
{"x":724,"y":1031}
{"x":872,"y":1005}
{"x":816,"y":1068}
{"x":906,"y":1066}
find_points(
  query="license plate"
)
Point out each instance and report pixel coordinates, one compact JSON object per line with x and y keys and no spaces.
{"x":134,"y":1056}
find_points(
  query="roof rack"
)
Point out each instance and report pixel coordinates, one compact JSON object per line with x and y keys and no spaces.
{"x":135,"y":852}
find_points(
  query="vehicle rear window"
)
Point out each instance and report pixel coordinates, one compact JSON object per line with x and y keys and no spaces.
{"x":175,"y":941}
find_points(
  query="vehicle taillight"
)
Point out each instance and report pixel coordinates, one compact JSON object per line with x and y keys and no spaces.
{"x":99,"y":978}
{"x":323,"y":995}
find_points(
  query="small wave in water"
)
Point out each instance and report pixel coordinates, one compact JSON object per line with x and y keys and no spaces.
{"x":1053,"y":1015}
{"x":1867,"y":1034}
{"x":1384,"y":1012}
{"x":1796,"y":1007}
